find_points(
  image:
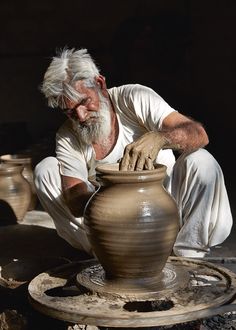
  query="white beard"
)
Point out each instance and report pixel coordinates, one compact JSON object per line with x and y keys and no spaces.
{"x":98,"y":128}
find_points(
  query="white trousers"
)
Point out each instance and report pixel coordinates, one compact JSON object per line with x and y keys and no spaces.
{"x":196,"y":183}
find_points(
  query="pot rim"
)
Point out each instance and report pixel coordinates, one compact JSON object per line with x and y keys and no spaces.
{"x":15,"y":158}
{"x":111,"y":173}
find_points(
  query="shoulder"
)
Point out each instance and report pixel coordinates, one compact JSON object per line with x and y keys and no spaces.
{"x":129,"y":89}
{"x":133,"y":92}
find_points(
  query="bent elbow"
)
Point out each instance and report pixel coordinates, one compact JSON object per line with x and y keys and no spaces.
{"x":204,"y":137}
{"x":207,"y":141}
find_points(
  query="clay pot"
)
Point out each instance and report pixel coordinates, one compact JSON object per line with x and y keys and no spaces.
{"x":131,"y":222}
{"x":27,"y":172}
{"x":15,"y":192}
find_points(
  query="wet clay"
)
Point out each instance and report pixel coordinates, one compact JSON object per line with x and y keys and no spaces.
{"x":94,"y":280}
{"x":131,"y":222}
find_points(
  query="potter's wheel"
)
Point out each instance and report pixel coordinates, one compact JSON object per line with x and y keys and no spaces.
{"x":93,"y":279}
{"x":187,"y":290}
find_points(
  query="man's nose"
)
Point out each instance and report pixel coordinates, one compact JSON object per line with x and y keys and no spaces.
{"x":82,"y":113}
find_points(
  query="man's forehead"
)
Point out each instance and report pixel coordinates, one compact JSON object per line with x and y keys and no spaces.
{"x":69,"y":103}
{"x":80,"y":94}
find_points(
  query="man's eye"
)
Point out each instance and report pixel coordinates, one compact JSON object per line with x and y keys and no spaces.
{"x":84,"y":101}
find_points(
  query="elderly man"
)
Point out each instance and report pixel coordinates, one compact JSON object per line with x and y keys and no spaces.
{"x":131,"y":124}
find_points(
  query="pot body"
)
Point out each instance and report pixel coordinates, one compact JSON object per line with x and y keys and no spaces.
{"x":27,"y":172}
{"x":14,"y":191}
{"x":131,"y":222}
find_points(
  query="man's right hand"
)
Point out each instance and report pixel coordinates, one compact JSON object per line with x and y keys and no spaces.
{"x":140,"y":154}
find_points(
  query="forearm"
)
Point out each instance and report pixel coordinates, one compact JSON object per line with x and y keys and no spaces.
{"x":76,"y":197}
{"x":185,"y":137}
{"x":178,"y":133}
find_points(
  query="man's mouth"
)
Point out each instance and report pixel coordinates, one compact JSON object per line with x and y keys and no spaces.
{"x":90,"y":121}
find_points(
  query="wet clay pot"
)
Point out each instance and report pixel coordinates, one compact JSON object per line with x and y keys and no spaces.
{"x":27,"y":172}
{"x":131,"y":222}
{"x":15,"y":192}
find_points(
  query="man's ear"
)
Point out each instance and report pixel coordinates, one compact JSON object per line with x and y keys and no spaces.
{"x":101,"y":82}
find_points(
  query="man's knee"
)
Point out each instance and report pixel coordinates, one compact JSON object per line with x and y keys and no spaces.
{"x":202,"y":164}
{"x":45,"y":169}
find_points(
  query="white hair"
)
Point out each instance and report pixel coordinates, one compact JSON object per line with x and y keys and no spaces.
{"x":64,"y":70}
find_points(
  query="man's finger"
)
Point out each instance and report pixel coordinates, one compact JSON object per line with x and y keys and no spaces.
{"x":140,"y":164}
{"x":149,"y":164}
{"x":124,"y":164}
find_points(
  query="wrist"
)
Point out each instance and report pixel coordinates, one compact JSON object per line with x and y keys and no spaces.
{"x":165,"y":141}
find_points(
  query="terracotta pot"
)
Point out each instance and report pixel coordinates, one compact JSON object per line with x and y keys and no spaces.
{"x":27,"y":172}
{"x":131,"y":222}
{"x":15,"y":192}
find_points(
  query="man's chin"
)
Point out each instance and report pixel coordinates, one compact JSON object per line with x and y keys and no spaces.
{"x":85,"y":125}
{"x":87,"y":133}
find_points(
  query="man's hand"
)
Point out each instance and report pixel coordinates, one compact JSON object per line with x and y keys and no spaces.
{"x":141,"y":154}
{"x":178,"y":133}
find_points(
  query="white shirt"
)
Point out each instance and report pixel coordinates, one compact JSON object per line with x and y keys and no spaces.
{"x":139,"y":109}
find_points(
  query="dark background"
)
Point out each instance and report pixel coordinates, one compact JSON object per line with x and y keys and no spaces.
{"x":183,"y":49}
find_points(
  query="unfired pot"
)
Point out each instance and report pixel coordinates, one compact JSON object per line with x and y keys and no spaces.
{"x":27,"y":172}
{"x":131,"y":222}
{"x":15,"y":191}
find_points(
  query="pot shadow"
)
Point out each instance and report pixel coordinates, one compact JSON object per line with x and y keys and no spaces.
{"x":7,"y":214}
{"x":19,"y":241}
